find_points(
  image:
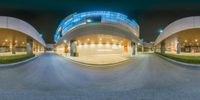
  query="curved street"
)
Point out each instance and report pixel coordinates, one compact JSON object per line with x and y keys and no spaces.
{"x":146,"y":77}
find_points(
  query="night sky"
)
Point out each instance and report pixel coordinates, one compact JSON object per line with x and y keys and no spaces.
{"x":151,"y":15}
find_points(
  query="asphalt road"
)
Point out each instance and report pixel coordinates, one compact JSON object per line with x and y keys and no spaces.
{"x":145,"y":77}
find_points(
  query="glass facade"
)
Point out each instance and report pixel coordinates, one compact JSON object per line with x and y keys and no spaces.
{"x":92,"y":17}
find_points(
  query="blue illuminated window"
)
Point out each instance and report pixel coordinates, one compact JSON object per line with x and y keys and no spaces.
{"x":81,"y":18}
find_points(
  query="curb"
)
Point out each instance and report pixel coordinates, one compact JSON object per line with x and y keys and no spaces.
{"x":18,"y":63}
{"x":88,"y":64}
{"x":180,"y":63}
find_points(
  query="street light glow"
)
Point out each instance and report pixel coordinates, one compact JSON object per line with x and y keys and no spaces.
{"x":160,"y":30}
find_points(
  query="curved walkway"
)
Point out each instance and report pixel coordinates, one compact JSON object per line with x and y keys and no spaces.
{"x":144,"y":77}
{"x":101,"y":59}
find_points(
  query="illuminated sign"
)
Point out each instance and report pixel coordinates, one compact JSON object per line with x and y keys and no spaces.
{"x":93,"y":19}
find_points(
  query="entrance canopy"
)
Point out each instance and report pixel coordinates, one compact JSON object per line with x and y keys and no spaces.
{"x":96,"y":22}
{"x":21,"y":26}
{"x":178,"y":26}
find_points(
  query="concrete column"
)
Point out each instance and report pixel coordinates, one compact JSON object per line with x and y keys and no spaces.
{"x":72,"y":45}
{"x":142,"y":48}
{"x":37,"y":48}
{"x":13,"y":46}
{"x":134,"y":49}
{"x":73,"y":48}
{"x":178,"y":48}
{"x":162,"y":49}
{"x":29,"y":46}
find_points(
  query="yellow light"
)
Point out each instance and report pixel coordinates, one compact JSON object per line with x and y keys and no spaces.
{"x":75,"y":42}
{"x":100,"y":45}
{"x":79,"y":46}
{"x":196,"y":40}
{"x":6,"y":40}
{"x":92,"y":45}
{"x":79,"y":42}
{"x":186,"y":41}
{"x":114,"y":45}
{"x":85,"y":45}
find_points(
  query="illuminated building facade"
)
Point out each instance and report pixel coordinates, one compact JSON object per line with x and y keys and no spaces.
{"x":97,"y":33}
{"x":18,"y":37}
{"x":181,"y":36}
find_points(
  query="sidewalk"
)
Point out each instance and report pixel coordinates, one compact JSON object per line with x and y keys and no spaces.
{"x":100,"y":59}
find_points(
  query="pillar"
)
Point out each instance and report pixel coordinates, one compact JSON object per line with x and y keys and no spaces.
{"x":13,"y":45}
{"x":162,"y":49}
{"x":38,"y":48}
{"x":29,"y":46}
{"x":72,"y":48}
{"x":142,"y":48}
{"x":13,"y":48}
{"x":134,"y":49}
{"x":178,"y":48}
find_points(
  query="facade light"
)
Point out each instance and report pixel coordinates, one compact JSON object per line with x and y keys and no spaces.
{"x":185,"y":41}
{"x":92,"y":45}
{"x":65,"y":41}
{"x":79,"y":18}
{"x":100,"y":45}
{"x":160,"y":30}
{"x":89,"y":21}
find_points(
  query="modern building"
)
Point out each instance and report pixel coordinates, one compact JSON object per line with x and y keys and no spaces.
{"x":148,"y":47}
{"x":97,"y":33}
{"x":19,"y":37}
{"x":181,"y":36}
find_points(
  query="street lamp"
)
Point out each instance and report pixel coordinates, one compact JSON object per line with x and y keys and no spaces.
{"x":160,"y":31}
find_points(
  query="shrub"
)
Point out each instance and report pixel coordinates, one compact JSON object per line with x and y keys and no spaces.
{"x":14,"y":58}
{"x":182,"y":58}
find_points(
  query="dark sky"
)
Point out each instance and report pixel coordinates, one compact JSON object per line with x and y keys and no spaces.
{"x":151,"y":15}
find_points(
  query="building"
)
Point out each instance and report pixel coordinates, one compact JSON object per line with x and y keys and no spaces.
{"x":148,"y":47}
{"x":97,"y":33}
{"x":19,"y":37}
{"x":180,"y":37}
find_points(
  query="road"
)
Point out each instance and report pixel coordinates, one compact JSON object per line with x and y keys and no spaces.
{"x":144,"y":77}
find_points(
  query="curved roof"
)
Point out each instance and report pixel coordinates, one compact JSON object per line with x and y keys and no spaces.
{"x":21,"y":26}
{"x":177,"y":26}
{"x":99,"y":28}
{"x":79,"y":19}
